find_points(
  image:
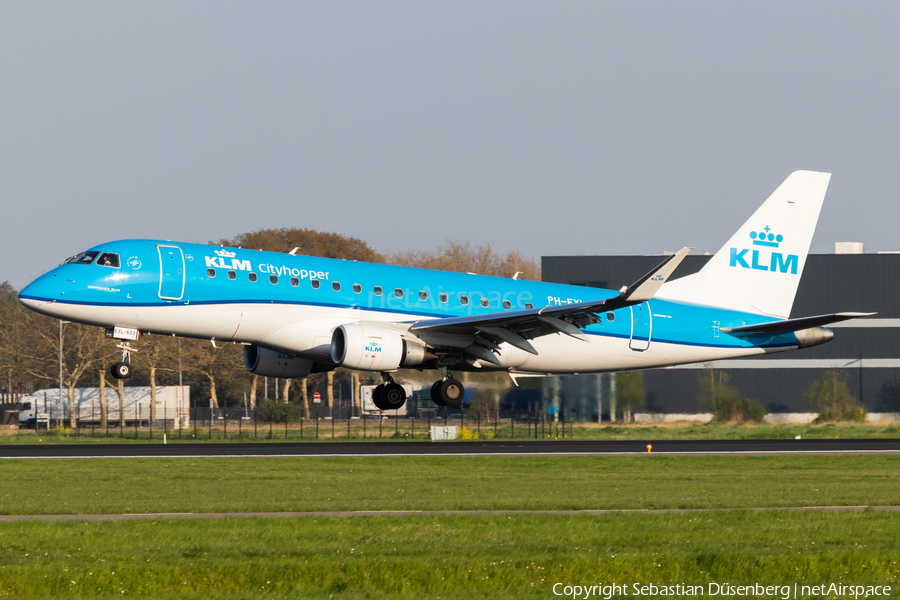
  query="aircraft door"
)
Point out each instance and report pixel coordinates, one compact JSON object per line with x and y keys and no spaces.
{"x":641,"y":326}
{"x":171,"y":272}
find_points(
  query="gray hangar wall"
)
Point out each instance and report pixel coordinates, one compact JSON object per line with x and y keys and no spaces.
{"x":867,"y":350}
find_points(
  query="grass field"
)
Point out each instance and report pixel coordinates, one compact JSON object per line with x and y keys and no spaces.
{"x":410,"y":429}
{"x":448,"y":557}
{"x":88,"y":486}
{"x":461,"y":556}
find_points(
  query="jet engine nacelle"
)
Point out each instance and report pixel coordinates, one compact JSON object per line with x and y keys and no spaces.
{"x":371,"y":348}
{"x":262,"y":361}
{"x":806,"y":338}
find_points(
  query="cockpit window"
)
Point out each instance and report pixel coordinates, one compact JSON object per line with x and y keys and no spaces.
{"x":85,"y":258}
{"x":108,"y":259}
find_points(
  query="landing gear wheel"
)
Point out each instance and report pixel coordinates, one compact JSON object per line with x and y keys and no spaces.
{"x":436,"y":393}
{"x":451,"y":392}
{"x":393,"y":396}
{"x":377,"y":397}
{"x":120,"y":370}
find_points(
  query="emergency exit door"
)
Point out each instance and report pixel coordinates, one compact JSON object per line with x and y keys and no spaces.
{"x":171,"y":272}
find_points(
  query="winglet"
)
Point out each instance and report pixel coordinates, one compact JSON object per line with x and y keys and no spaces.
{"x":647,"y":286}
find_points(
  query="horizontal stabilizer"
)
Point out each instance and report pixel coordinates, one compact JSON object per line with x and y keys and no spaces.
{"x":793,"y":324}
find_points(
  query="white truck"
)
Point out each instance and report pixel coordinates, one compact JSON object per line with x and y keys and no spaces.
{"x":46,"y":408}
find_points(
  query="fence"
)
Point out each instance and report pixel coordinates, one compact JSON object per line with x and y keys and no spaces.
{"x":249,"y":424}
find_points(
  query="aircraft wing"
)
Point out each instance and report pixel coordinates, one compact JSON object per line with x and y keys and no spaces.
{"x":793,"y":324}
{"x":517,"y":327}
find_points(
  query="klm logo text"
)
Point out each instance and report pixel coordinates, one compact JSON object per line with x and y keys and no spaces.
{"x":372,"y":348}
{"x":235,"y":264}
{"x":777,"y":263}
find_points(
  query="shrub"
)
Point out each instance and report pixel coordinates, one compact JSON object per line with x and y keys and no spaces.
{"x":278,"y":412}
{"x":468,"y":434}
{"x":833,"y":399}
{"x":725,"y":402}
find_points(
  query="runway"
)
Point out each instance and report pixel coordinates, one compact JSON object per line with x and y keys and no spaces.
{"x":501,"y":448}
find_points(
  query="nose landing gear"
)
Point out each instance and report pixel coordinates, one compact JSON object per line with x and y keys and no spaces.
{"x":122,"y":369}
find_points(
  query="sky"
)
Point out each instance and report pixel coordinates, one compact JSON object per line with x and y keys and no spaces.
{"x":545,"y":127}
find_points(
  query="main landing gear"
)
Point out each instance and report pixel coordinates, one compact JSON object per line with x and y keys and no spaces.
{"x":389,"y":395}
{"x":122,"y":369}
{"x":447,"y":391}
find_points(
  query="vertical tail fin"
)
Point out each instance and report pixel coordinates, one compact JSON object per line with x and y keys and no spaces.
{"x":759,"y":269}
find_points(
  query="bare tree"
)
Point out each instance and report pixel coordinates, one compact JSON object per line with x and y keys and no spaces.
{"x":83,"y":347}
{"x":462,"y":257}
{"x":330,"y":393}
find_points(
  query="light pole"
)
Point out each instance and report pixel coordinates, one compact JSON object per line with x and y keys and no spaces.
{"x":61,"y":361}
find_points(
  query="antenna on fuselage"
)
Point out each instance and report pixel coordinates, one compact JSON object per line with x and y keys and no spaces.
{"x":292,"y":252}
{"x":516,"y":276}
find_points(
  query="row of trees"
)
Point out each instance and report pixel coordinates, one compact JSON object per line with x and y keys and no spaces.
{"x":30,"y":343}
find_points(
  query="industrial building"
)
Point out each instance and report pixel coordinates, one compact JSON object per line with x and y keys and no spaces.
{"x":867,"y":350}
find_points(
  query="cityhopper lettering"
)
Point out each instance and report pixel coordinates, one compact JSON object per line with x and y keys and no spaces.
{"x":236,"y":264}
{"x":299,"y":273}
{"x":752,"y":259}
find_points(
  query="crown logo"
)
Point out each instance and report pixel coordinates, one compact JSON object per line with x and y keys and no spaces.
{"x":766,"y":238}
{"x":228,"y":254}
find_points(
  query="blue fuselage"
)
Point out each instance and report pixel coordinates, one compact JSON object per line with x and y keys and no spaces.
{"x":249,"y":296}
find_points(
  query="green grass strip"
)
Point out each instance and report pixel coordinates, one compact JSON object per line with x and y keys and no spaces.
{"x":91,"y":486}
{"x":517,"y":556}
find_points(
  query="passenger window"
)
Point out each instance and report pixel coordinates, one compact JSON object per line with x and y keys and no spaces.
{"x":252,"y":276}
{"x":443,"y":298}
{"x":529,"y":305}
{"x":295,"y":282}
{"x":315,"y":283}
{"x":273,"y":279}
{"x":463,"y":300}
{"x":377,"y":290}
{"x":357,"y":288}
{"x":108,"y":259}
{"x":232,"y":275}
{"x":210,"y":272}
{"x":507,"y":304}
{"x":485,"y":302}
{"x":336,"y":286}
{"x":398,"y":292}
{"x":423,"y":295}
{"x":610,"y":316}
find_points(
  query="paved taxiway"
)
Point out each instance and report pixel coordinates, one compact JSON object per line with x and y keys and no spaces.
{"x":518,"y":448}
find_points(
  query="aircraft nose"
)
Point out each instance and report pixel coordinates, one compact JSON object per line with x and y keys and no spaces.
{"x":34,"y":294}
{"x":29,"y":291}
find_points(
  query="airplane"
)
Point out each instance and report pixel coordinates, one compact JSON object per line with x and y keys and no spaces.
{"x":297,"y":315}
